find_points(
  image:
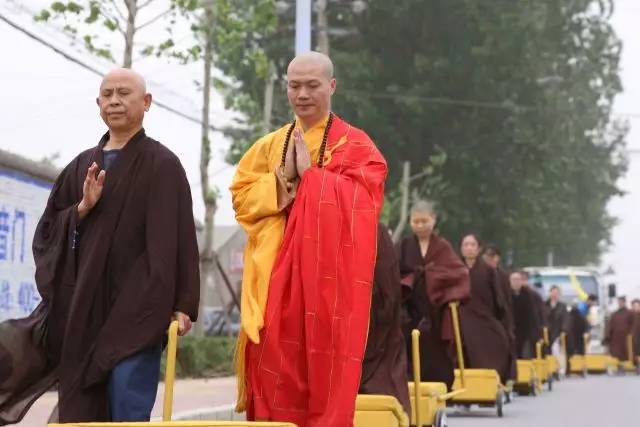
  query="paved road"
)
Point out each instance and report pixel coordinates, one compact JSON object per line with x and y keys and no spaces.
{"x":597,"y":401}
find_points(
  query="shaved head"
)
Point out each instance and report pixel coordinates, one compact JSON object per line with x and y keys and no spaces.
{"x":123,"y":100}
{"x":126,"y":74}
{"x":313,"y":60}
{"x":310,"y":87}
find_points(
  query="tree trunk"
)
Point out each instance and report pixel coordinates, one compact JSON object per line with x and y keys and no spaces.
{"x":268,"y":98}
{"x":323,"y":26}
{"x":132,"y":11}
{"x":208,"y":194}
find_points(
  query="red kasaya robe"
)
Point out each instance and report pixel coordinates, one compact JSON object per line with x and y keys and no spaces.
{"x":306,"y":367}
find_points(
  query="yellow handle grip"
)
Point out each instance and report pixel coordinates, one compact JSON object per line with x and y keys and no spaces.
{"x":453,"y":306}
{"x":170,"y":371}
{"x":415,"y":351}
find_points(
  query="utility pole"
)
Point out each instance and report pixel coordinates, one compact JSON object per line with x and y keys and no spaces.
{"x":322,"y":22}
{"x":550,"y":258}
{"x":303,"y":26}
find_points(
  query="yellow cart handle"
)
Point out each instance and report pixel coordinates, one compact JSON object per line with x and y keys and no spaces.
{"x":415,"y":351}
{"x":539,"y":349}
{"x":586,"y":343}
{"x":453,"y":306}
{"x":545,"y":334}
{"x":630,"y":347}
{"x":170,"y":371}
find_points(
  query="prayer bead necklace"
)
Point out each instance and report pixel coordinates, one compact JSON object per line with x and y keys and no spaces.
{"x":323,"y":146}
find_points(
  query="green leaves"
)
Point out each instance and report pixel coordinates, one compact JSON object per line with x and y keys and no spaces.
{"x":504,"y":106}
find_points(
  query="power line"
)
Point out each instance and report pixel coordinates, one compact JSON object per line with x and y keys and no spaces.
{"x":93,"y":70}
{"x":30,"y":12}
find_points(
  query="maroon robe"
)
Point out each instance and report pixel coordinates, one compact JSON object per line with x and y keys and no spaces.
{"x":486,"y":341}
{"x":110,"y":294}
{"x":526,"y":323}
{"x":432,"y":282}
{"x":618,"y":329}
{"x":508,"y":319}
{"x":636,"y":336}
{"x":384,"y":367}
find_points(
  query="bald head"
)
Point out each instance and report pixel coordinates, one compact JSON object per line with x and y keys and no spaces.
{"x":125,"y":75}
{"x":123,"y":100}
{"x":310,"y":87}
{"x":312,"y":60}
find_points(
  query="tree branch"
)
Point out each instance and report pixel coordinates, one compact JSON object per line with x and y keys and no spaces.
{"x":114,"y":19}
{"x":152,"y":20}
{"x":118,"y":11}
{"x":145,"y":4}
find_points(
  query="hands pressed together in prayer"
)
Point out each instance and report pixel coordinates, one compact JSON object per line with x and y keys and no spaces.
{"x":91,"y":190}
{"x":298,"y":158}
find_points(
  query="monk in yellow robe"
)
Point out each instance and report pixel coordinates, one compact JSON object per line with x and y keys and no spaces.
{"x":309,"y":196}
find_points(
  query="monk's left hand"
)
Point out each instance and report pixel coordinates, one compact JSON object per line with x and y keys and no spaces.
{"x":303,"y":158}
{"x":184,"y":322}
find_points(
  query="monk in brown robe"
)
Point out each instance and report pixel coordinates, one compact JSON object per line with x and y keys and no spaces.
{"x":486,"y":341}
{"x":384,"y":367}
{"x":635,"y":307}
{"x":116,"y":258}
{"x":618,"y":329}
{"x":432,"y":276}
{"x":525,"y":318}
{"x":493,"y":257}
{"x":538,"y":305}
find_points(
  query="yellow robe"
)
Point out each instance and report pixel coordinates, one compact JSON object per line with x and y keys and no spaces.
{"x":255,"y":201}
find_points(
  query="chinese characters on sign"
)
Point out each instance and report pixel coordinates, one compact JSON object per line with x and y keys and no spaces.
{"x":22,"y":200}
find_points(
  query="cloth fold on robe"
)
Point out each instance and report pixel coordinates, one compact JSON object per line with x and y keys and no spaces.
{"x":384,"y":368}
{"x":433,"y":282}
{"x":113,"y":297}
{"x":305,"y":367}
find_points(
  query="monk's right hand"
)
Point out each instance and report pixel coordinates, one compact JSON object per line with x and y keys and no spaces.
{"x":91,"y":190}
{"x":290,"y":167}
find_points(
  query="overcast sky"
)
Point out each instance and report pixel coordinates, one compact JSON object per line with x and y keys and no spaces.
{"x":49,"y":107}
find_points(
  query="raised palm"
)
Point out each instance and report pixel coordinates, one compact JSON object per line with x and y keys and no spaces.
{"x":92,"y":187}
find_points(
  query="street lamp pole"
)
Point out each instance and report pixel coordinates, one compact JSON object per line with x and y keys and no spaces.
{"x":303,"y":26}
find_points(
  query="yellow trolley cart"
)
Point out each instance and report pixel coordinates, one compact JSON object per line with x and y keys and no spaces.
{"x":475,"y":386}
{"x":599,"y":363}
{"x":527,"y":379}
{"x":428,"y":401}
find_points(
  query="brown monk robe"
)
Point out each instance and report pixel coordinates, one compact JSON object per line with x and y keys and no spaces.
{"x":486,"y":341}
{"x":430,"y":283}
{"x":110,"y":282}
{"x":538,"y":305}
{"x":384,"y":368}
{"x":618,"y":329}
{"x":525,"y":317}
{"x":635,"y":306}
{"x":493,"y":257}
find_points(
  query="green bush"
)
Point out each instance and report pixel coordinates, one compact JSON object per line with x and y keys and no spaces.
{"x":203,"y":357}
